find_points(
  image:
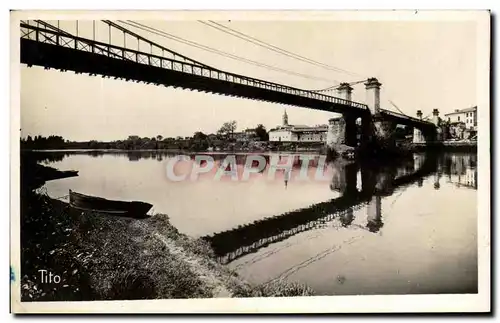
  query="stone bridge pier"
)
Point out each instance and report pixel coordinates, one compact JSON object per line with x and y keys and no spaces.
{"x":342,"y":130}
{"x":376,"y":129}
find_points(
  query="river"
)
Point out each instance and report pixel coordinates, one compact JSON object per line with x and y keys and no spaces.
{"x":400,"y":228}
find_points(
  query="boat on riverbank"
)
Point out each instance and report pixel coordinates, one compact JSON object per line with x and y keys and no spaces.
{"x":135,"y":209}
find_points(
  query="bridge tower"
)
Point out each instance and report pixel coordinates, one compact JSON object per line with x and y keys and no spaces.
{"x":372,"y":86}
{"x":418,"y":137}
{"x":342,"y":129}
{"x":436,"y":121}
{"x":382,"y":129}
{"x":344,"y":91}
{"x":435,"y":117}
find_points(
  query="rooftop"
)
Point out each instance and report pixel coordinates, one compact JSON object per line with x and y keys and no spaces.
{"x":301,"y":128}
{"x":457,"y":111}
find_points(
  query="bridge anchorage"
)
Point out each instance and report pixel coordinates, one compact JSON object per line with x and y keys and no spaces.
{"x":363,"y":131}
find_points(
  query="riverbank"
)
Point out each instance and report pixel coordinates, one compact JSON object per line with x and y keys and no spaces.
{"x":450,"y":146}
{"x":104,"y":257}
{"x":282,"y":147}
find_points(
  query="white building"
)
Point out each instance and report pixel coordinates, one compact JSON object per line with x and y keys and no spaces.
{"x":297,"y":133}
{"x":466,"y":116}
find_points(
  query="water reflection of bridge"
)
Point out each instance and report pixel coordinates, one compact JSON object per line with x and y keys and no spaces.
{"x":376,"y":183}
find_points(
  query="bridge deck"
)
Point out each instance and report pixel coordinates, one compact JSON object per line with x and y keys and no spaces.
{"x":53,"y":49}
{"x":406,"y":120}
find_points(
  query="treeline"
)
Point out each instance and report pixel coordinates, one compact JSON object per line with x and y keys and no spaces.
{"x":199,"y":142}
{"x":40,"y":142}
{"x":131,"y":143}
{"x":224,"y":139}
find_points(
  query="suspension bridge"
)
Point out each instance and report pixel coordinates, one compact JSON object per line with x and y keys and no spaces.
{"x":130,"y":56}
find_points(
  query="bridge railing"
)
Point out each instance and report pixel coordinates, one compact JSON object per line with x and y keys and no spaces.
{"x":54,"y":37}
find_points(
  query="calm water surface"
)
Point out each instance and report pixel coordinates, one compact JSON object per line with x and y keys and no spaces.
{"x":408,"y":227}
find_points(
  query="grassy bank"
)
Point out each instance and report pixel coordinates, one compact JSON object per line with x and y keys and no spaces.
{"x":102,"y":257}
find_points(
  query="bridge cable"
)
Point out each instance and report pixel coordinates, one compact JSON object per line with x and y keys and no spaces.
{"x":423,"y":119}
{"x":273,"y":48}
{"x":427,"y":116}
{"x":139,"y":37}
{"x":219,"y":52}
{"x":63,"y":32}
{"x":336,"y":86}
{"x":216,"y":51}
{"x":333,"y":87}
{"x":393,"y":104}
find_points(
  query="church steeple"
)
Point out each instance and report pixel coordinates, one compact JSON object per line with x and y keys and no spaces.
{"x":285,"y":119}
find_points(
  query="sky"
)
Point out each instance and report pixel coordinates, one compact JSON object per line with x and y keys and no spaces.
{"x":422,"y":65}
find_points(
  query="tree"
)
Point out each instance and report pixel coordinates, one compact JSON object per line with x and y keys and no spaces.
{"x":159,"y":137}
{"x":228,"y":128}
{"x":198,"y":135}
{"x":261,"y":133}
{"x":200,"y":141}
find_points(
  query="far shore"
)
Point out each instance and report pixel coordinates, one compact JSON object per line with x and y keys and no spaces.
{"x":416,"y":147}
{"x":237,"y":151}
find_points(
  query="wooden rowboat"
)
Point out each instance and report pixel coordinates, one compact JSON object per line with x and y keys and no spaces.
{"x":133,"y":209}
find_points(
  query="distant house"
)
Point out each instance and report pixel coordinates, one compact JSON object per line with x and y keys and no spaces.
{"x":212,"y":137}
{"x":467,"y":116}
{"x":462,"y":123}
{"x":245,"y":136}
{"x":251,"y":133}
{"x":297,"y":133}
{"x":240,"y":136}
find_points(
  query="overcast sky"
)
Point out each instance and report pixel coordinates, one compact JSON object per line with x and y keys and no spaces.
{"x":422,"y":65}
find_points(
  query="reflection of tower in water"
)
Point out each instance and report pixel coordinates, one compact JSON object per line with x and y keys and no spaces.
{"x":347,"y":217}
{"x":437,"y":177}
{"x":286,"y":176}
{"x":418,"y":161}
{"x":374,"y":214}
